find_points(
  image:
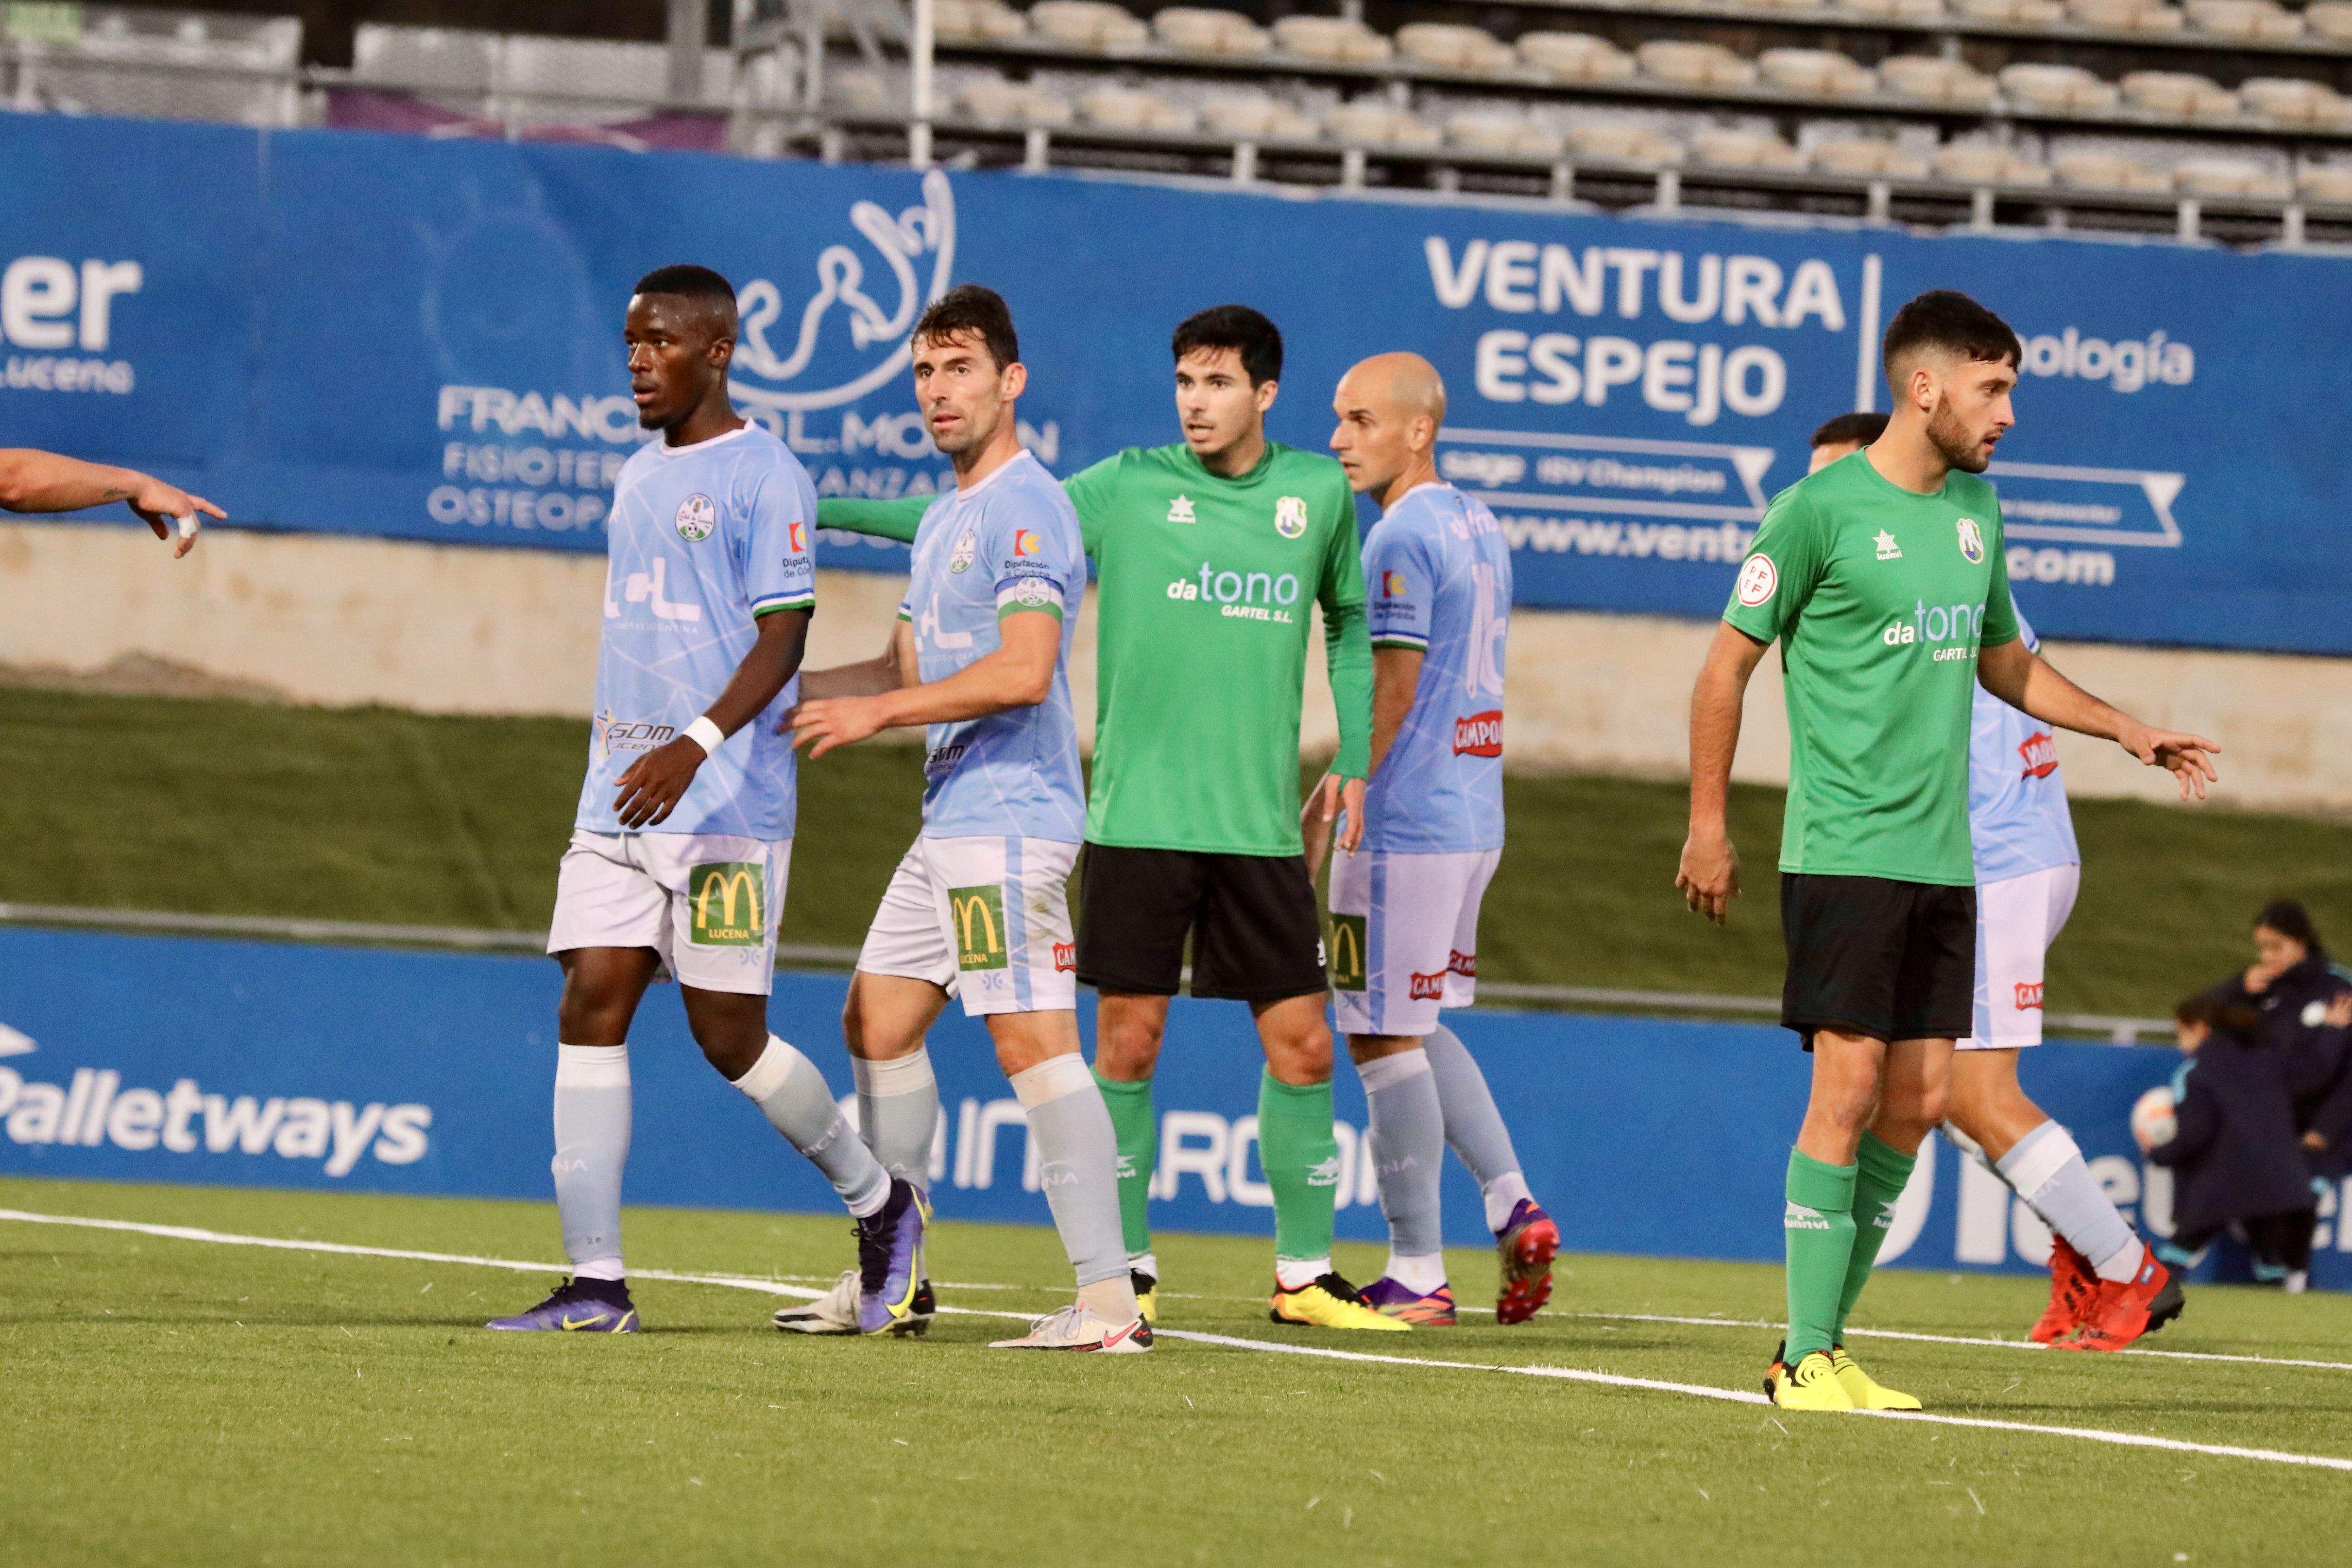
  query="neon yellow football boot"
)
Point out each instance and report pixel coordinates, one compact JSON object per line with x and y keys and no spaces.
{"x":1146,"y":1294}
{"x":1865,"y":1390}
{"x":1330,"y":1302}
{"x":1810,"y":1384}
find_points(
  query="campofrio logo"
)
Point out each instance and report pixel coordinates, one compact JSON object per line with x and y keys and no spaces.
{"x":846,"y":343}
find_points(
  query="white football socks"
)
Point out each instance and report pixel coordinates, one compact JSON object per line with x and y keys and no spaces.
{"x":792,"y":1094}
{"x":592,"y":1146}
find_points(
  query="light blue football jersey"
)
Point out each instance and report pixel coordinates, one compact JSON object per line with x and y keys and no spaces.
{"x":1437,"y":577}
{"x":1007,"y":545}
{"x":703,"y":540}
{"x":2018,"y":820}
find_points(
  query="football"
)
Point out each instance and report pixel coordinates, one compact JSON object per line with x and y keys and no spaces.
{"x":2153,"y":1120}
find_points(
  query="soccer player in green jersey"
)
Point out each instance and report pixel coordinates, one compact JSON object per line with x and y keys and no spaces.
{"x":1208,"y":553}
{"x":1884,"y":579}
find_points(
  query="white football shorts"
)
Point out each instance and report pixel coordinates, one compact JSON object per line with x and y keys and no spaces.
{"x":1404,"y":937}
{"x":985,"y":919}
{"x":708,"y":902}
{"x":2017,"y":920}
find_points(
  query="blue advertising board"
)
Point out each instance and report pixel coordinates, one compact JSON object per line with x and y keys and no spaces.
{"x":420,"y":339}
{"x":165,"y":1059}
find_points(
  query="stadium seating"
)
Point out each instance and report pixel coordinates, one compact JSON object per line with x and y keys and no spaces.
{"x":977,"y":21}
{"x":1206,"y":32}
{"x":1576,"y":56}
{"x":1455,"y":48}
{"x":2203,"y":99}
{"x":174,"y":65}
{"x":1087,"y":23}
{"x":1332,"y":39}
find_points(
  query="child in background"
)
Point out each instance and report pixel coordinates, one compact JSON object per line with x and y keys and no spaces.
{"x":2233,"y":1152}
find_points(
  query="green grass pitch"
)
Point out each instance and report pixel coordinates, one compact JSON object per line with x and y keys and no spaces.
{"x":371,"y":814}
{"x":187,"y":1402}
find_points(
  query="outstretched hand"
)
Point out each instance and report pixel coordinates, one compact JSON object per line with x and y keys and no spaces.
{"x":2188,"y":757}
{"x":169,"y":509}
{"x":829,"y":722}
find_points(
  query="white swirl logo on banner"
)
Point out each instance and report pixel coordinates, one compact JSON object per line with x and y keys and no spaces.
{"x":817,"y":370}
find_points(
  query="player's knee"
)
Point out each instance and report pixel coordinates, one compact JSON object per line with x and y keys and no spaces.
{"x":1301,"y":1057}
{"x":1126,"y":1049}
{"x":852,"y":1024}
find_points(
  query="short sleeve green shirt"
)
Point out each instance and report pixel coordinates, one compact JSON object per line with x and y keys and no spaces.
{"x":1880,"y":598}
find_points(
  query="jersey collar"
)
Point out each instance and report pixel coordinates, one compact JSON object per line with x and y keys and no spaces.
{"x":666,"y":451}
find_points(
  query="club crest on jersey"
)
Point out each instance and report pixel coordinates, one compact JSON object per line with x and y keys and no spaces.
{"x":1971,"y":541}
{"x":696,"y":518}
{"x":1758,"y":580}
{"x":966,"y":549}
{"x":1180,"y":510}
{"x":1290,"y":516}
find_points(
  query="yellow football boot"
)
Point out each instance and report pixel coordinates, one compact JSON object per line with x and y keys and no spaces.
{"x":1146,"y":1294}
{"x":1865,"y":1390}
{"x":1810,"y":1384}
{"x":1330,"y":1302}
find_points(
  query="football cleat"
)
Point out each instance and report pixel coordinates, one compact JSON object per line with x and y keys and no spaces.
{"x":889,"y":1260}
{"x":1527,"y":1242}
{"x":835,"y":1312}
{"x":1866,"y":1391}
{"x":578,"y":1307}
{"x":1329,"y":1302}
{"x":1390,"y":1299}
{"x":2073,"y":1286}
{"x":1810,"y":1384}
{"x":1075,"y":1327}
{"x":1146,"y":1294}
{"x":2124,"y":1309}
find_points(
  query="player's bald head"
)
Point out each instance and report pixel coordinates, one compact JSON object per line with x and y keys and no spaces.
{"x":1388,"y":409}
{"x":1398,"y":386}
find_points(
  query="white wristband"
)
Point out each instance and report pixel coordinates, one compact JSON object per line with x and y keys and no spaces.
{"x":705,"y":733}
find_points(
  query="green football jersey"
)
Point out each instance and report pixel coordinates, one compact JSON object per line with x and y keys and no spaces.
{"x":1880,"y":598}
{"x":1203,"y":584}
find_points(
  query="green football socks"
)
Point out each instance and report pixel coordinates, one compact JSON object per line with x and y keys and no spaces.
{"x":1880,"y":1175}
{"x":1136,"y":1128}
{"x":1301,"y":1156}
{"x":1818,"y":1229}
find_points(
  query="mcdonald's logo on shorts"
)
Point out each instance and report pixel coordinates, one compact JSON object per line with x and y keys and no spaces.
{"x":729,"y":901}
{"x":978,"y":916}
{"x":1347,"y":953}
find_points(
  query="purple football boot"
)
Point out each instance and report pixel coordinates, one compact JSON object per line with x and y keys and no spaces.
{"x":579,"y":1307}
{"x":889,"y":1260}
{"x":1390,"y":1299}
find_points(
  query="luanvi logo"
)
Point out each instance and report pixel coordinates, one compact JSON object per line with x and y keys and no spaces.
{"x":93,"y":1110}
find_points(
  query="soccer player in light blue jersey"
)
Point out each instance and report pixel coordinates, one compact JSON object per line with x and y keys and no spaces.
{"x":2106,"y":1289}
{"x":1405,"y":901}
{"x":978,"y":909}
{"x":684,"y":836}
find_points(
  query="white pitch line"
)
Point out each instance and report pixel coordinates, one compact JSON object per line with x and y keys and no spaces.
{"x":1230,"y":1342}
{"x":1963,"y":1339}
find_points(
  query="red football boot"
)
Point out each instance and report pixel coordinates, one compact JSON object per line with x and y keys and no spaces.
{"x":2073,"y":1288}
{"x":2124,"y":1310}
{"x":1527,"y":1242}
